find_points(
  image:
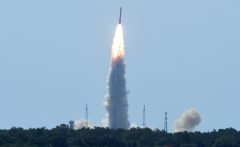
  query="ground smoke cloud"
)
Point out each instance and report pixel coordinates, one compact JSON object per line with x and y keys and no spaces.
{"x":116,"y":99}
{"x":79,"y":124}
{"x":188,"y":121}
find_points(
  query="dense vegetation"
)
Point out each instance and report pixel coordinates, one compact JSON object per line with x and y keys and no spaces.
{"x":62,"y":136}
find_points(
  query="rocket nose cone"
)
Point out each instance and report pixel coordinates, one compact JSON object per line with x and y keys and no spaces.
{"x":120,"y":16}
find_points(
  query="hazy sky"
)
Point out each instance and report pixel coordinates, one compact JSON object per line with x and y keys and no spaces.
{"x":55,"y":56}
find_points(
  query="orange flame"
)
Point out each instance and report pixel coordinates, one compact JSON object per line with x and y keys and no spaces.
{"x":118,"y":44}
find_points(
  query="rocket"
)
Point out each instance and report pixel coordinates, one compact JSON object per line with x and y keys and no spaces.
{"x":120,"y":17}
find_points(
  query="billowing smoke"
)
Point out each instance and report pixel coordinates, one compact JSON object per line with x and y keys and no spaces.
{"x":116,"y":102}
{"x":79,"y":124}
{"x":188,"y":120}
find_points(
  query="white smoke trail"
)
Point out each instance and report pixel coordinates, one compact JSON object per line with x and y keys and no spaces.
{"x":188,"y":120}
{"x":116,"y":99}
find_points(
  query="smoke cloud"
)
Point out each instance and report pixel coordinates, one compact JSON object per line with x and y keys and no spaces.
{"x":116,"y":102}
{"x":79,"y":124}
{"x":188,"y":120}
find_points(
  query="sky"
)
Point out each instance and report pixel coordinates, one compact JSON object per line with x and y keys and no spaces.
{"x":55,"y":57}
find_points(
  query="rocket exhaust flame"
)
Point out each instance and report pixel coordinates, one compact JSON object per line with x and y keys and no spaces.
{"x":118,"y":44}
{"x":116,"y":99}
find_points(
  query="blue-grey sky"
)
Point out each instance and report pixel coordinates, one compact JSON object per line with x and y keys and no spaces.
{"x":55,"y":56}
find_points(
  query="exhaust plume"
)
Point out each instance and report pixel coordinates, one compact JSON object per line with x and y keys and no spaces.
{"x":116,"y":99}
{"x":188,"y":120}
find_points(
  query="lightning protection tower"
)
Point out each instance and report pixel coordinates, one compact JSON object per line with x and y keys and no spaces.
{"x":144,"y":123}
{"x":86,"y":117}
{"x":165,"y":123}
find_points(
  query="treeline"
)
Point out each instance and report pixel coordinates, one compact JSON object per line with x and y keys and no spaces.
{"x":62,"y":136}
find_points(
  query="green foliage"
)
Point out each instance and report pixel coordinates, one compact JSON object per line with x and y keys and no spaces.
{"x":62,"y":136}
